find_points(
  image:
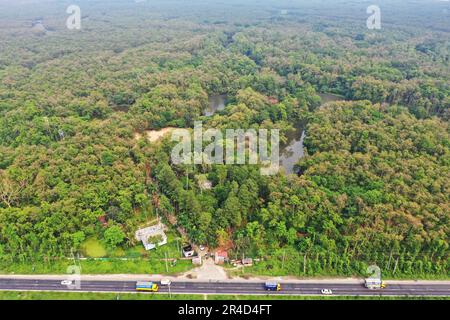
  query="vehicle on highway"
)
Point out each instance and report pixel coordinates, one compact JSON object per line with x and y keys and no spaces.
{"x":372,"y":284}
{"x":272,"y":286}
{"x":147,"y":286}
{"x":326,"y":291}
{"x":66,"y":282}
{"x":166,"y":282}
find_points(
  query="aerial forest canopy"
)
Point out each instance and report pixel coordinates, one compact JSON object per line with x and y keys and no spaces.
{"x":76,"y":107}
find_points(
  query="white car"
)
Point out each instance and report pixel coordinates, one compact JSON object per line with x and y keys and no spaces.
{"x":327,"y":291}
{"x":202,"y":248}
{"x":166,"y":282}
{"x":66,"y":283}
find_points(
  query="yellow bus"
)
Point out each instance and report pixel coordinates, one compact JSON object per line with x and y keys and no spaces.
{"x":272,"y":286}
{"x":147,"y":286}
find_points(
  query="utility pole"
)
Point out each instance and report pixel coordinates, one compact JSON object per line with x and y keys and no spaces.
{"x":395,"y":267}
{"x":75,"y":260}
{"x":178,"y":247}
{"x":167,"y":266}
{"x":389,"y":262}
{"x":304,"y":264}
{"x":73,"y":256}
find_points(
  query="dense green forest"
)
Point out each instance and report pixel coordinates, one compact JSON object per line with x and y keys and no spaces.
{"x":372,"y":188}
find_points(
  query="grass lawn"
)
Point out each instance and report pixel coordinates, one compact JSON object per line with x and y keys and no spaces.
{"x":93,"y":248}
{"x":109,"y":266}
{"x":13,"y":295}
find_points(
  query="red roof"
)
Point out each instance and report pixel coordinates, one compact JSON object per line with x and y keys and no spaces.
{"x":102,"y":219}
{"x":222,"y":253}
{"x":273,"y":100}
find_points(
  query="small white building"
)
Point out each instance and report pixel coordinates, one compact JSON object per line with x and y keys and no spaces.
{"x":220,"y":257}
{"x":247,"y":262}
{"x":188,"y":251}
{"x":145,"y":234}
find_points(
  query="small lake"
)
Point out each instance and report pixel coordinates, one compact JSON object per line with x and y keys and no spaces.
{"x":217,"y":102}
{"x":329,"y":97}
{"x":294,"y":150}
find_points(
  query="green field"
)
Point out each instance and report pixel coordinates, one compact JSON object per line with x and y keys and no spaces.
{"x":99,"y":260}
{"x":94,"y":248}
{"x":260,"y":269}
{"x":107,"y":266}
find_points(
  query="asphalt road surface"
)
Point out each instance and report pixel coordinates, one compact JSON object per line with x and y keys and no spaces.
{"x":217,"y":287}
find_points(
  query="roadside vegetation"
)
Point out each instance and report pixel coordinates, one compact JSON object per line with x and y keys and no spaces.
{"x":13,"y":295}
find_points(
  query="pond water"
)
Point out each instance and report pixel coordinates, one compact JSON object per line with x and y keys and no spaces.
{"x":38,"y":26}
{"x":294,"y":150}
{"x":329,"y":97}
{"x":217,"y":102}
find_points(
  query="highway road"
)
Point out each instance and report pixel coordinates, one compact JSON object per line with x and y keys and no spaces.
{"x":218,"y":287}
